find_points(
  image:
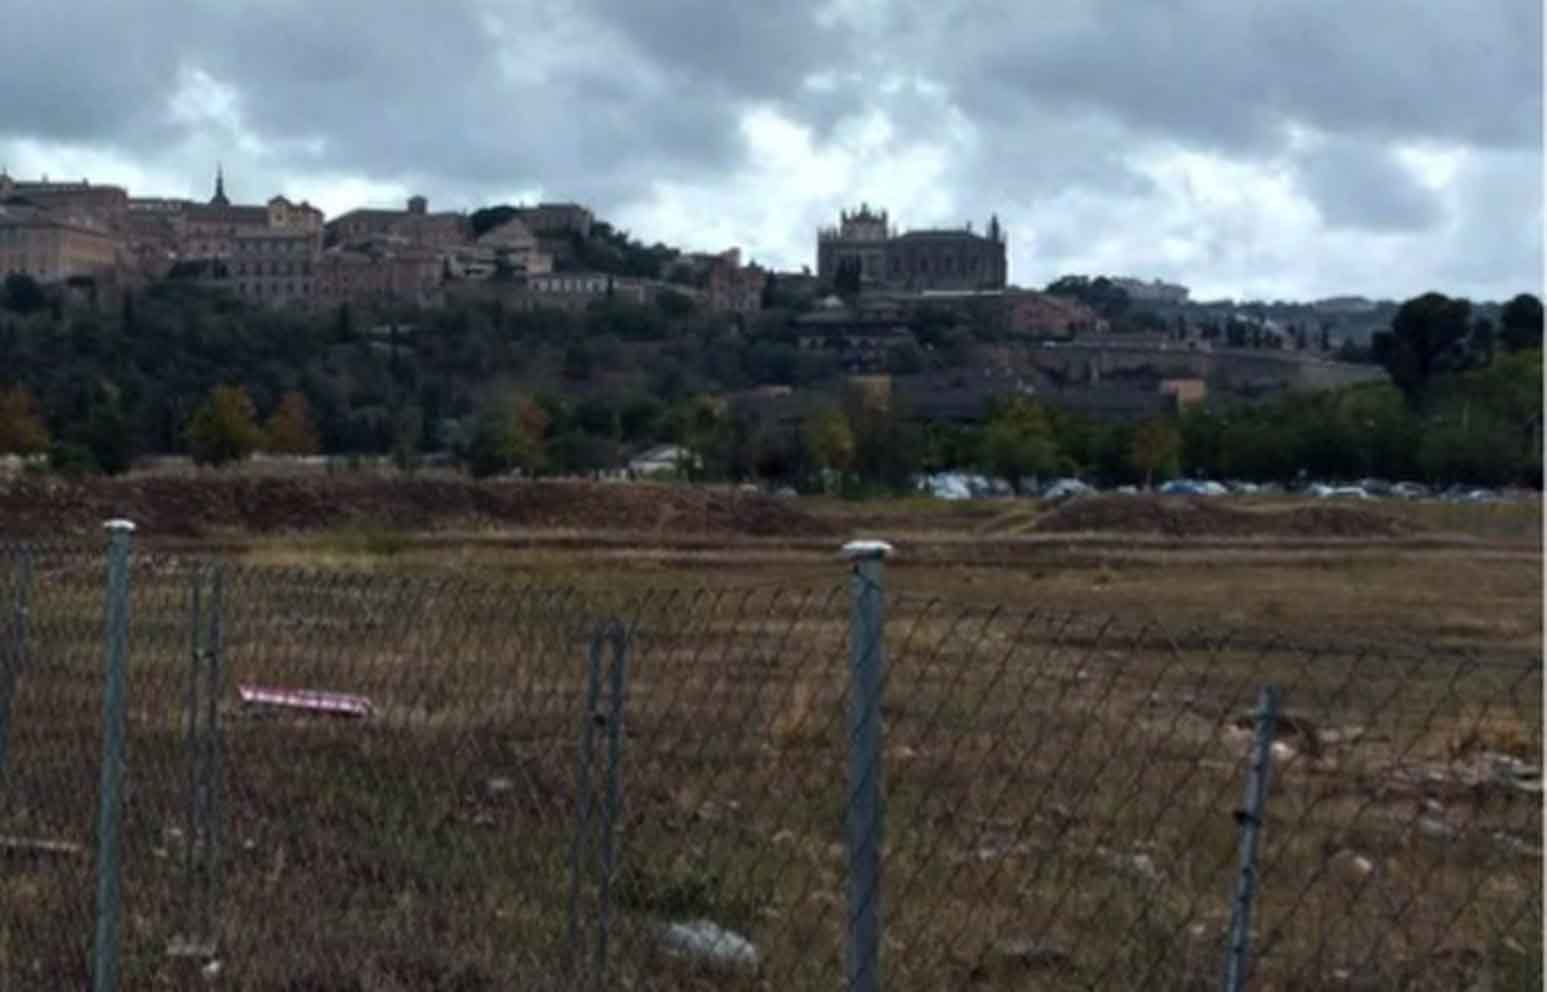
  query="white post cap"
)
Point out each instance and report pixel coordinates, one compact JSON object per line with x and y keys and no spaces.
{"x":864,"y":550}
{"x":120,"y":526}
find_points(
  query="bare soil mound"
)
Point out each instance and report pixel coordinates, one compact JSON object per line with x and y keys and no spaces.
{"x":1178,"y":516}
{"x":194,"y":507}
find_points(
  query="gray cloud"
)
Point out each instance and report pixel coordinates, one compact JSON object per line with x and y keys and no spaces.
{"x":1228,"y":75}
{"x":599,"y":100}
{"x":1365,"y":186}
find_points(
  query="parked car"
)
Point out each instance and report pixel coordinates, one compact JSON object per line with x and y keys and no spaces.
{"x":1323,"y":491}
{"x":1193,"y":487}
{"x":1063,"y":489}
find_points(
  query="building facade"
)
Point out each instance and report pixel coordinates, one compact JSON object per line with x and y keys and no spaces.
{"x":273,"y":267}
{"x":415,"y":226}
{"x":52,"y":246}
{"x":935,"y":259}
{"x":1154,"y":291}
{"x":556,"y":219}
{"x":511,"y":246}
{"x":576,"y":291}
{"x":734,"y":288}
{"x":103,"y":206}
{"x":358,"y":277}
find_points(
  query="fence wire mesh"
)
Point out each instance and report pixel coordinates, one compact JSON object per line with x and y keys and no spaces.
{"x":1061,"y":791}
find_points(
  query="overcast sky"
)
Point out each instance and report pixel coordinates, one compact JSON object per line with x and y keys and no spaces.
{"x":1247,"y":148}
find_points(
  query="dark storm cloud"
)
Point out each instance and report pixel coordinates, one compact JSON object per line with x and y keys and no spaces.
{"x":597,"y":100}
{"x":748,"y":50}
{"x":453,"y":94}
{"x":1229,"y":75}
{"x":1365,"y":186}
{"x":92,"y":75}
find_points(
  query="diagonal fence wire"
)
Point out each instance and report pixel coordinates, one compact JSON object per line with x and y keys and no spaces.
{"x":1059,"y":789}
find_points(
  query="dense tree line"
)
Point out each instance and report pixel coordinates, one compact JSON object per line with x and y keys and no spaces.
{"x":179,"y":370}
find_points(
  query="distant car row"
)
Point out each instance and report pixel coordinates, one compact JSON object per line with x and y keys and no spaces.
{"x":966,"y":486}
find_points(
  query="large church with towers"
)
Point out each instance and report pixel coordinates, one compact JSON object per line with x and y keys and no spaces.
{"x":930,"y":259}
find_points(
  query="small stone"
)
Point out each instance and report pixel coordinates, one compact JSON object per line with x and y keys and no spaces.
{"x":1356,"y":866}
{"x":498,"y":786}
{"x":1283,"y":752}
{"x":708,"y":942}
{"x":1516,"y":844}
{"x":211,"y":970}
{"x":1431,"y":826}
{"x":1029,"y":954}
{"x":1145,"y":865}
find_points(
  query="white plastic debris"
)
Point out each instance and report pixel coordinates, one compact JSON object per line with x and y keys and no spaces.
{"x":306,"y":700}
{"x":709,"y":942}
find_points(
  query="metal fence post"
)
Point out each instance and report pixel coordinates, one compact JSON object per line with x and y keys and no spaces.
{"x":863,"y":816}
{"x":1250,"y":819}
{"x":104,"y":972}
{"x":13,"y":660}
{"x":214,"y":756}
{"x":201,"y":865}
{"x":609,"y":718}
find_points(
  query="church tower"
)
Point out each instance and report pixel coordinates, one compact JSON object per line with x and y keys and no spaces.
{"x":219,"y":199}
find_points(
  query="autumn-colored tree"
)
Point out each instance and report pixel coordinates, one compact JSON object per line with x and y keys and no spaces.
{"x":290,"y":430}
{"x":1157,"y":449}
{"x":22,"y":431}
{"x":225,"y":428}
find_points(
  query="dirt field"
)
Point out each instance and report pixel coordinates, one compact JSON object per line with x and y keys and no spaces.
{"x":1066,"y":741}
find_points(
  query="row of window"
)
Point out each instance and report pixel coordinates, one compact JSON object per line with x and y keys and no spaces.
{"x":274,"y":269}
{"x":266,"y":246}
{"x":950,"y":265}
{"x":921,"y":265}
{"x":570,"y":286}
{"x":273,"y":289}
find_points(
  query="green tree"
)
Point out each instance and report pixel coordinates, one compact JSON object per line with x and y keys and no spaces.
{"x":1482,"y":341}
{"x":640,"y":418}
{"x":22,"y":429}
{"x":579,"y":361}
{"x":508,"y":436}
{"x":1018,"y":442}
{"x":289,"y":429}
{"x":828,"y":439}
{"x":1521,"y":323}
{"x":225,"y":428}
{"x":22,"y":294}
{"x":107,"y":432}
{"x":1156,"y":450}
{"x":675,"y":305}
{"x":1427,"y":338}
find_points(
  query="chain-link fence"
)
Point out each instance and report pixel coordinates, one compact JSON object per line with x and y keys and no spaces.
{"x":354,"y":781}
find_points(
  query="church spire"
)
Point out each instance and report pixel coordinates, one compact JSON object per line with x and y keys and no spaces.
{"x":219,"y":199}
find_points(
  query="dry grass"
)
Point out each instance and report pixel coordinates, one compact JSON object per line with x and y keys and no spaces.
{"x":1063,"y":771}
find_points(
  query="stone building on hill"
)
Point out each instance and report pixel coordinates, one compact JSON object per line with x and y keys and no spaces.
{"x":933,"y":259}
{"x":54,"y":245}
{"x":415,"y":226}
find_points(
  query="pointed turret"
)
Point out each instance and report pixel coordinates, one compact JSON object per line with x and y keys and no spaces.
{"x":219,"y":199}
